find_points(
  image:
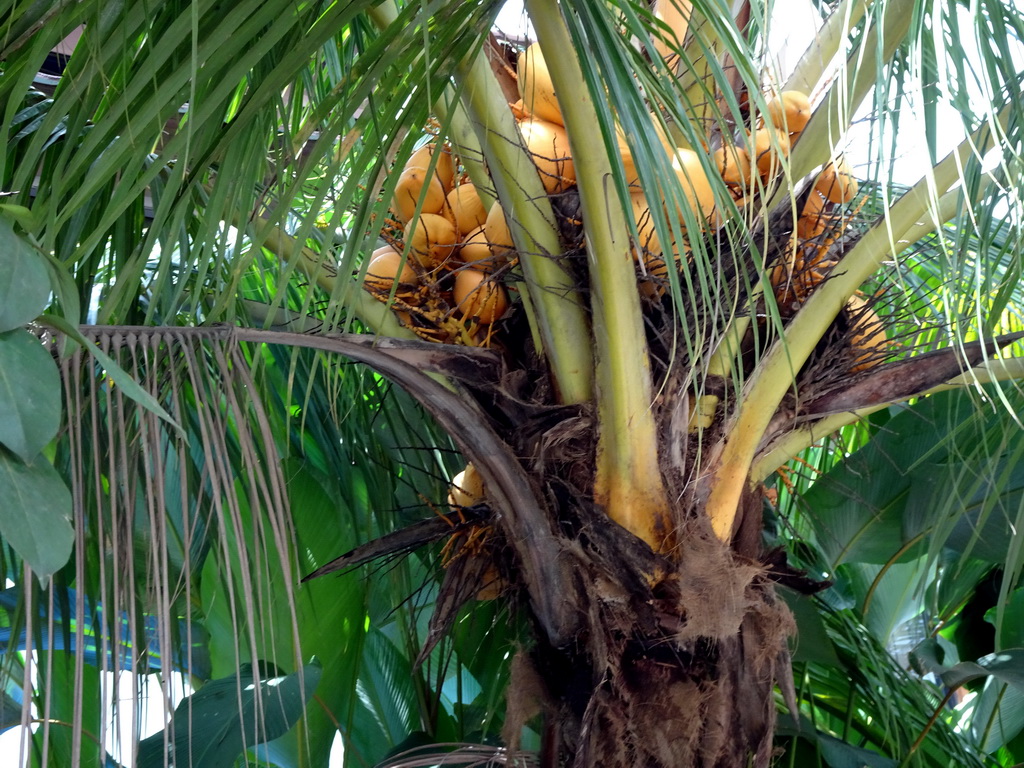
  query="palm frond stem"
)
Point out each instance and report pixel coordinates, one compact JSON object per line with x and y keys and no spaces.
{"x":917,"y":213}
{"x":628,"y":481}
{"x":373,"y":313}
{"x":449,"y":108}
{"x":466,"y":143}
{"x":812,"y":65}
{"x":780,"y":451}
{"x":559,"y":308}
{"x":830,"y":119}
{"x":775,"y":375}
{"x":723,"y":359}
{"x":833,"y":116}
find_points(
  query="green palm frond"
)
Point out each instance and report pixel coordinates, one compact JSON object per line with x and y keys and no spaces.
{"x":907,"y":724}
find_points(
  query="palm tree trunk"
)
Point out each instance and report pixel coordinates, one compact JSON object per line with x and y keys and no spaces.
{"x":662,"y":699}
{"x":672,"y":659}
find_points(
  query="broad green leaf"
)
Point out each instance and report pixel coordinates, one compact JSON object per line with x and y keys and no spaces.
{"x":485,"y":640}
{"x":839,"y":754}
{"x":118,"y":375}
{"x":811,"y":642}
{"x":216,"y":724}
{"x":1006,"y":666}
{"x":835,"y":753}
{"x":955,"y":590}
{"x":936,"y":654}
{"x":10,"y":712}
{"x":998,"y":714}
{"x":938,"y":460}
{"x":861,"y":519}
{"x":330,"y":625}
{"x":886,"y":596}
{"x":72,"y":692}
{"x":29,"y":394}
{"x":1011,"y":633}
{"x":330,"y":613}
{"x":986,"y":528}
{"x":20,"y":214}
{"x":386,"y":686}
{"x":25,"y":286}
{"x":35,"y":516}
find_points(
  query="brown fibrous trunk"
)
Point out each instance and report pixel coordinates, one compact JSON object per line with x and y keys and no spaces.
{"x":680,"y":675}
{"x":671,"y":659}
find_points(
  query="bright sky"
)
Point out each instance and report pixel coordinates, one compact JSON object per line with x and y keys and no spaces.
{"x":513,"y":22}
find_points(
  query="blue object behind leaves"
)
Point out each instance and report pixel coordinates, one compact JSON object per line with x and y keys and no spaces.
{"x":194,"y":661}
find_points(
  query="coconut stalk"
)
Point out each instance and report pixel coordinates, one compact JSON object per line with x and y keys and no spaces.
{"x":628,"y":482}
{"x":831,"y":118}
{"x":676,"y":15}
{"x":781,"y":450}
{"x":774,"y":377}
{"x":375,"y":314}
{"x":560,"y":315}
{"x":792,"y":443}
{"x":811,"y":66}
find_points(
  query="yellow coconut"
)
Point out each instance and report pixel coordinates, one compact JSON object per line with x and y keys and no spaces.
{"x":649,"y":243}
{"x":444,"y":167}
{"x":494,"y":585}
{"x":790,"y":112}
{"x":462,"y":207}
{"x":479,"y":298}
{"x":676,"y":15}
{"x":475,"y":251}
{"x":653,"y":282}
{"x":467,"y":489}
{"x":383,"y":269}
{"x":499,"y":238}
{"x":519,"y":110}
{"x":649,"y":249}
{"x":432,"y":238}
{"x":769,"y":146}
{"x":813,"y":219}
{"x":733,"y":164}
{"x":548,"y":144}
{"x":535,"y":86}
{"x":699,"y":193}
{"x":408,"y":190}
{"x":868,"y":336}
{"x":836,"y":182}
{"x":632,"y":177}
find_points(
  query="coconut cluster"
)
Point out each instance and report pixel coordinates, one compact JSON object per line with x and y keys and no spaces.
{"x":442,"y":286}
{"x":809,"y":258}
{"x":746,"y":163}
{"x":750,"y":162}
{"x":445,"y":269}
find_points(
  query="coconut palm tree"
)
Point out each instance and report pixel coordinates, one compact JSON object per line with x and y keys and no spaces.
{"x":736,"y":405}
